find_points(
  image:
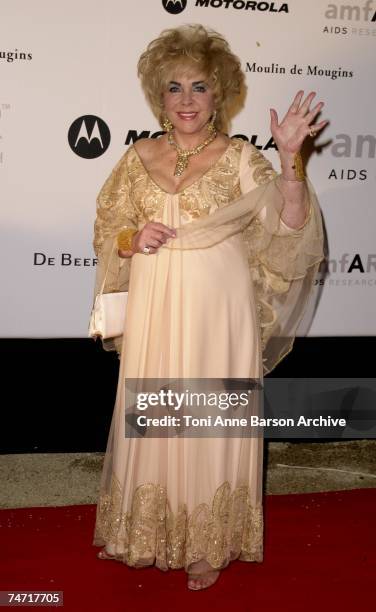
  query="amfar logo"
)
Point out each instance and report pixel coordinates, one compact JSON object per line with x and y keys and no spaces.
{"x":174,"y":6}
{"x":362,"y":145}
{"x":352,"y":13}
{"x":89,"y":136}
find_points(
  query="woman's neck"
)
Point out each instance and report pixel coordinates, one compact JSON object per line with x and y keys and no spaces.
{"x":190,"y":141}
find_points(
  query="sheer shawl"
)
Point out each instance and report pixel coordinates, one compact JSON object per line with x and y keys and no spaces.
{"x":283,"y":262}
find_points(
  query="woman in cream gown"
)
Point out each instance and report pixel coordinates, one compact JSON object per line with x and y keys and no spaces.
{"x":206,"y":308}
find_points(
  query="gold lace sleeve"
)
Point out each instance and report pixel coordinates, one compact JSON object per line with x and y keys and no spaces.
{"x":115,"y":210}
{"x":283,"y":262}
{"x":255,"y":169}
{"x":115,"y":213}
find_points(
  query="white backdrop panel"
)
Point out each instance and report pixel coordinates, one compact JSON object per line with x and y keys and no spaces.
{"x":83,"y":62}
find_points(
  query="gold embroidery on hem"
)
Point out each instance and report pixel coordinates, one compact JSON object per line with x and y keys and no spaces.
{"x":151,"y":533}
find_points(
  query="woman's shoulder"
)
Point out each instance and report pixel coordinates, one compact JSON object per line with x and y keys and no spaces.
{"x":242,"y":148}
{"x":242,"y":145}
{"x":238,"y":142}
{"x":122,"y":163}
{"x":253,"y":164}
{"x":129,"y":160}
{"x":238,"y":152}
{"x":147,"y":149}
{"x":250,"y":154}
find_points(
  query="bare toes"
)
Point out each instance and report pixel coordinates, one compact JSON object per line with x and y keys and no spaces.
{"x":202,"y":582}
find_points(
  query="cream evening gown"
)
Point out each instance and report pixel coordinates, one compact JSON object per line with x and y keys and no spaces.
{"x":191,"y":314}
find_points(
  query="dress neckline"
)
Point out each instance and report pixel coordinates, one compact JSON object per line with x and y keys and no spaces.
{"x":217,"y":161}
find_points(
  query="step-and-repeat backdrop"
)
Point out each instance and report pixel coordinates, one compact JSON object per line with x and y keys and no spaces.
{"x":70,"y":104}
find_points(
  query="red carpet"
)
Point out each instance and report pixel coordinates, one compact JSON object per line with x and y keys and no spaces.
{"x":320,"y":552}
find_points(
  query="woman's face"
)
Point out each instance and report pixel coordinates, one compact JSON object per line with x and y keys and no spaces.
{"x":188,"y":103}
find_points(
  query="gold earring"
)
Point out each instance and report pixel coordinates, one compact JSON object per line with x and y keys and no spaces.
{"x":211,"y":125}
{"x":167,"y":125}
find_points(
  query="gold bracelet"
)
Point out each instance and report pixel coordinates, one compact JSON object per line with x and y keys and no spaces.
{"x":298,"y":167}
{"x":124,"y":239}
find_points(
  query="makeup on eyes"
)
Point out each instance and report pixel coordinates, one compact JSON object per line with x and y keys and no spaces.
{"x":199,"y":86}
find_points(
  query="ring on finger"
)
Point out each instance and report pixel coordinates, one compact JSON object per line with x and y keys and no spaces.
{"x":146,"y":250}
{"x":312,"y":131}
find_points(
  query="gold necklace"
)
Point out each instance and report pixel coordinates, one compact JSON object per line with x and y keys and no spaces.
{"x":185,"y":154}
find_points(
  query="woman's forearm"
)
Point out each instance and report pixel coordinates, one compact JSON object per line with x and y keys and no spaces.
{"x":295,"y":210}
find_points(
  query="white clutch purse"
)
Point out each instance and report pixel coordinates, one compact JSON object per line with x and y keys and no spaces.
{"x":107,"y":318}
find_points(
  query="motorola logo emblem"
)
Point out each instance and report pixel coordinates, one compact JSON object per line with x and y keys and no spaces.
{"x":174,"y":6}
{"x":89,"y":136}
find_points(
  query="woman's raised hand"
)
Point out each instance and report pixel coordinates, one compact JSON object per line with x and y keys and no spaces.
{"x":296,"y":124}
{"x":152,"y":235}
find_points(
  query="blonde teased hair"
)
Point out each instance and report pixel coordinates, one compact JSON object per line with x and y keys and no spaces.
{"x":189,"y":48}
